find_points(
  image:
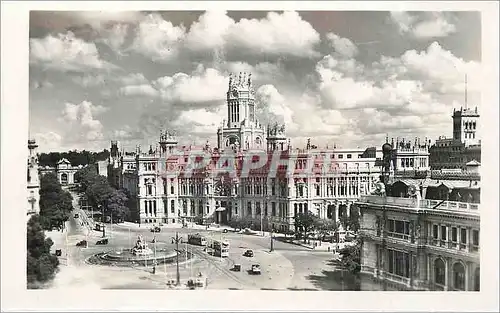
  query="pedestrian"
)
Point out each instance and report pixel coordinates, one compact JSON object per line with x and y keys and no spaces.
{"x":154,"y":270}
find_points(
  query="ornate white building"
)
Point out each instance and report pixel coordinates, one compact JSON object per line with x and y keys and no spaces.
{"x":156,"y":178}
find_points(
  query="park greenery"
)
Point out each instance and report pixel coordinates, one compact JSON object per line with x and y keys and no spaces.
{"x":41,"y":265}
{"x":101,"y":196}
{"x":351,"y":257}
{"x":55,"y":203}
{"x":74,"y":157}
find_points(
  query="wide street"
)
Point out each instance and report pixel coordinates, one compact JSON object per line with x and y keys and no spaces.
{"x":287,"y":267}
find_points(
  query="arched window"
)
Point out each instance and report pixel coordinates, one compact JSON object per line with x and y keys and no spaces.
{"x":439,"y":272}
{"x":458,"y":276}
{"x":64,"y":179}
{"x":477,"y":280}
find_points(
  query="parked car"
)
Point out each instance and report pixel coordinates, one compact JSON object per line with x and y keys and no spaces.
{"x":255,"y":269}
{"x":248,"y":253}
{"x":102,"y":241}
{"x":224,"y":230}
{"x":155,"y":229}
{"x":237,"y":267}
{"x":82,"y":243}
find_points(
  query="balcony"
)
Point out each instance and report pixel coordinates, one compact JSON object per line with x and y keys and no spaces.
{"x":422,"y":204}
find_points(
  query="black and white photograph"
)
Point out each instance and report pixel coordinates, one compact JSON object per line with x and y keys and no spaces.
{"x":256,"y":150}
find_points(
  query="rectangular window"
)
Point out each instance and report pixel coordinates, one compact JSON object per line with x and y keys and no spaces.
{"x":273,"y":208}
{"x":398,"y":229}
{"x":398,"y":263}
{"x":463,"y":236}
{"x":435,"y":231}
{"x":454,"y":234}
{"x":443,"y":232}
{"x":475,"y":240}
{"x":349,"y":156}
{"x":172,"y":206}
{"x":340,"y":156}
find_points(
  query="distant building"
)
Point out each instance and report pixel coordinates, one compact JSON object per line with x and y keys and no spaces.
{"x":102,"y":168}
{"x":64,"y":171}
{"x":33,"y":179}
{"x":464,"y":147}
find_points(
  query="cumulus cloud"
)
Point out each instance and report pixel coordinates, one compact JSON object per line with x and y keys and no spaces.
{"x":342,"y":46}
{"x":217,"y":33}
{"x":81,"y":121}
{"x":272,"y":35}
{"x":89,"y":80}
{"x":157,"y":38}
{"x":438,"y":69}
{"x":139,"y":90}
{"x":48,"y":141}
{"x":423,"y":25}
{"x":133,"y":79}
{"x":65,"y":52}
{"x":203,"y":85}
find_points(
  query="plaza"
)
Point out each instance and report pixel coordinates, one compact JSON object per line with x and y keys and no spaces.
{"x":287,"y":267}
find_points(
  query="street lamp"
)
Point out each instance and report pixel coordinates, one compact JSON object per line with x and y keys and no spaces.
{"x":176,"y":240}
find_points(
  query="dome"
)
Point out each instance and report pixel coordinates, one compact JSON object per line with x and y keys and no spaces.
{"x":386,"y":147}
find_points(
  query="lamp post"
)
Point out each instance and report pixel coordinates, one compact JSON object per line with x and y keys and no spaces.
{"x":176,"y":240}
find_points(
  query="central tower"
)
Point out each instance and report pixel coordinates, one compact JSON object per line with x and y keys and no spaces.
{"x":241,"y":130}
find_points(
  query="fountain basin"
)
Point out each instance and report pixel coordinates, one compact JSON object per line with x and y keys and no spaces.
{"x":126,"y":257}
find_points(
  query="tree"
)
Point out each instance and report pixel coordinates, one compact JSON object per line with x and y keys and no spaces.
{"x":344,"y":221}
{"x":98,"y":191}
{"x":41,"y":266}
{"x":86,"y":177}
{"x":116,"y":205}
{"x":304,"y":222}
{"x":351,"y":258}
{"x":325,"y":227}
{"x":55,"y":204}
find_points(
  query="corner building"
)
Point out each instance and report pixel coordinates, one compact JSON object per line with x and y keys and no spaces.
{"x":425,"y":234}
{"x":321,"y":181}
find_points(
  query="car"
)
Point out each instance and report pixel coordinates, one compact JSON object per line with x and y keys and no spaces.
{"x":82,"y":243}
{"x":155,"y":229}
{"x":104,"y":241}
{"x":224,"y":230}
{"x":248,"y":253}
{"x":255,"y":270}
{"x":237,"y":268}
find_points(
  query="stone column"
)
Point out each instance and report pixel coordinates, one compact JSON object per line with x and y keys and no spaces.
{"x":336,"y":212}
{"x":468,"y":238}
{"x":336,"y":187}
{"x":430,"y":271}
{"x":448,"y":276}
{"x":469,"y":276}
{"x":348,"y":209}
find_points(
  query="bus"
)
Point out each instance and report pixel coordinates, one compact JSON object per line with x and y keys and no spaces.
{"x":197,"y":239}
{"x":221,"y":248}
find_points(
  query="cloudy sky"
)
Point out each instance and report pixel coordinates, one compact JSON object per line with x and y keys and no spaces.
{"x":347,"y":78}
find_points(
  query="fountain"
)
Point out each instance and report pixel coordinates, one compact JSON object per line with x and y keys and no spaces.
{"x":141,"y":248}
{"x":139,"y":255}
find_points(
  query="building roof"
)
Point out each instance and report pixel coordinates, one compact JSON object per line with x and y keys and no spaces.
{"x":64,"y":160}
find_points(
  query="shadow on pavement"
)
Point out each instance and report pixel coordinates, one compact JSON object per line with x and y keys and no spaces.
{"x":302,"y":289}
{"x":336,"y":280}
